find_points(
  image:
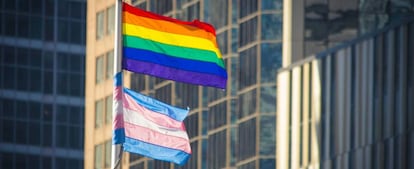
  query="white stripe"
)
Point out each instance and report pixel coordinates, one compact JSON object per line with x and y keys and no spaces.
{"x":133,"y":117}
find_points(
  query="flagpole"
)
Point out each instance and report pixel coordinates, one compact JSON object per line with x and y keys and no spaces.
{"x":116,"y":148}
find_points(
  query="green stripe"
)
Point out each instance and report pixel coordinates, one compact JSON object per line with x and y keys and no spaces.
{"x":175,"y":51}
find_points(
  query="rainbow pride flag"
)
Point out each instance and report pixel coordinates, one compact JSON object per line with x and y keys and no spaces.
{"x":171,"y":49}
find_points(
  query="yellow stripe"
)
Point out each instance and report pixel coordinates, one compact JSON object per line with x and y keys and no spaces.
{"x":170,"y":38}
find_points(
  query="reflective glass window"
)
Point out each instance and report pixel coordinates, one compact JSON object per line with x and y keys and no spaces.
{"x":271,"y":27}
{"x":247,"y":145}
{"x":248,"y":32}
{"x":247,"y":103}
{"x":271,"y":61}
{"x":247,"y":7}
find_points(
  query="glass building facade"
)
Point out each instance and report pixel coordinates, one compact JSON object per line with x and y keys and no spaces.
{"x":42,"y":62}
{"x":233,"y":128}
{"x":349,"y":103}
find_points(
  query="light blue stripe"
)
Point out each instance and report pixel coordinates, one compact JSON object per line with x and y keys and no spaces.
{"x":118,"y":79}
{"x":118,"y":136}
{"x":157,"y":106}
{"x":155,"y":151}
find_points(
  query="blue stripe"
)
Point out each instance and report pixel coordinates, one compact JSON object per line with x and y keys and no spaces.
{"x":174,"y":62}
{"x":155,"y":151}
{"x":118,"y":136}
{"x":157,"y":106}
{"x":118,"y":79}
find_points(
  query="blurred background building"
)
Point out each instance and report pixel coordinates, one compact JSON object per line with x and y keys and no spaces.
{"x":42,"y":58}
{"x":346,"y":89}
{"x":228,"y":129}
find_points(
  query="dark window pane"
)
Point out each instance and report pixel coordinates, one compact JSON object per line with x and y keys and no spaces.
{"x":21,"y":129}
{"x":47,"y":112}
{"x":271,"y":27}
{"x":247,"y":7}
{"x":23,"y":79}
{"x":61,"y":136}
{"x":9,"y":77}
{"x":63,"y":30}
{"x":35,"y":56}
{"x":22,"y":56}
{"x":46,"y":163}
{"x":36,"y":27}
{"x":8,"y":128}
{"x":10,"y":5}
{"x":35,"y":111}
{"x":267,"y":163}
{"x":247,"y":145}
{"x":34,"y":133}
{"x":23,"y":24}
{"x":75,"y":36}
{"x":47,"y":82}
{"x":35,"y":82}
{"x":36,"y":7}
{"x":62,"y":114}
{"x":48,"y":29}
{"x":10,"y":29}
{"x":49,"y":7}
{"x":248,"y":68}
{"x":48,"y":60}
{"x":222,"y":42}
{"x":23,"y":6}
{"x":248,"y":32}
{"x":272,"y":4}
{"x":47,"y":133}
{"x":267,"y":135}
{"x":271,"y":61}
{"x":247,"y":103}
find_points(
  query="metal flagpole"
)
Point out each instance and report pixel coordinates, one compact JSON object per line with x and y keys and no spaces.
{"x":116,"y":153}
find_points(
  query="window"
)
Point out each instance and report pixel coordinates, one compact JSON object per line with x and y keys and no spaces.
{"x":108,"y":111}
{"x":247,"y":68}
{"x":247,"y":7}
{"x":99,"y":25}
{"x":99,"y":69}
{"x":109,"y":64}
{"x":99,"y":156}
{"x":248,"y":32}
{"x":110,"y":23}
{"x":217,"y":115}
{"x":108,"y":146}
{"x":247,"y":103}
{"x":247,"y":145}
{"x":99,"y":107}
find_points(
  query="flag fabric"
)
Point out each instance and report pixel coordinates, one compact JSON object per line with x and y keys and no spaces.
{"x":172,"y":49}
{"x":149,"y":127}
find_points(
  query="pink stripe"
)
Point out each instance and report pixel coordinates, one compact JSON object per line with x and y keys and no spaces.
{"x":153,"y":137}
{"x":118,"y":93}
{"x":160,"y":119}
{"x":118,"y":121}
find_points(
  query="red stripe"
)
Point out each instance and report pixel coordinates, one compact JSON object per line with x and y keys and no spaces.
{"x":196,"y":23}
{"x":153,"y":137}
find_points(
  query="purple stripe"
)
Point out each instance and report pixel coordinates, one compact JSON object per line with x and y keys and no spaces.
{"x":174,"y":74}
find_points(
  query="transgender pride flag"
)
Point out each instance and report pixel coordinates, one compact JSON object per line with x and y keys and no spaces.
{"x":149,"y":127}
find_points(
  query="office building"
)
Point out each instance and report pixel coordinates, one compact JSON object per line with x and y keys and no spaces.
{"x":233,"y":128}
{"x":42,"y":58}
{"x":346,"y":91}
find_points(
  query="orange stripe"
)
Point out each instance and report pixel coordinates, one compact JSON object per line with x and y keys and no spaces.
{"x":168,"y":27}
